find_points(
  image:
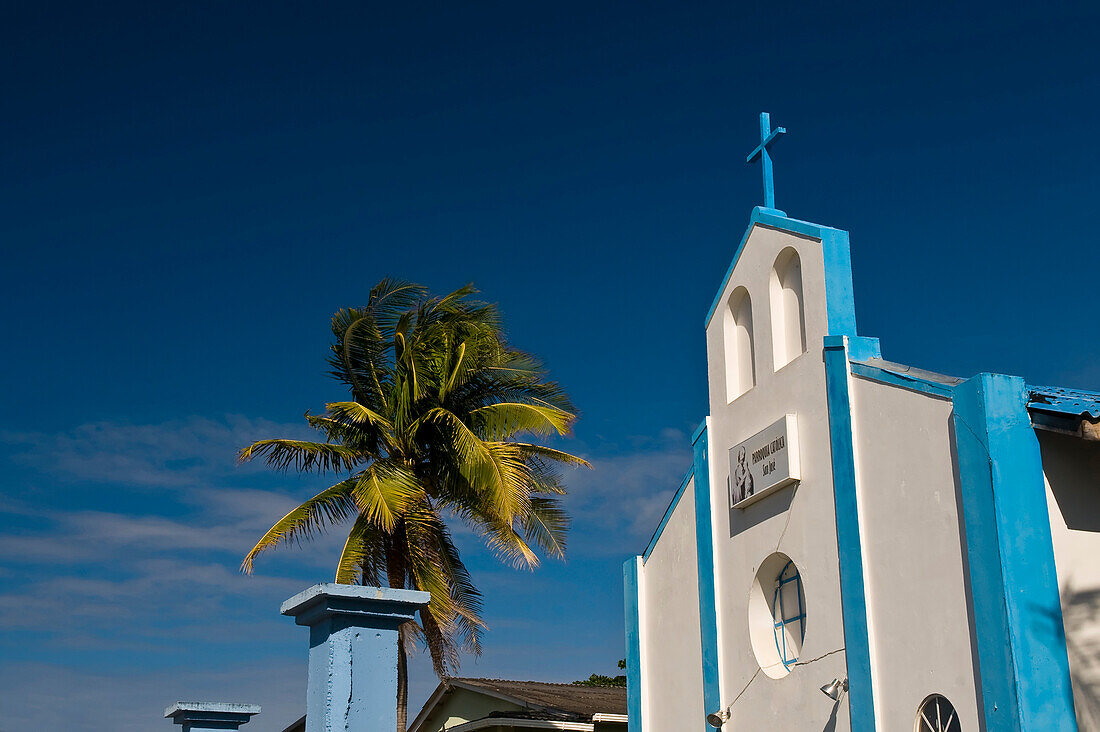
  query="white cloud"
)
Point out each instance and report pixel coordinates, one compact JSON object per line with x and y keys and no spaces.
{"x":177,"y":453}
{"x":627,"y":493}
{"x":226,"y":520}
{"x":39,"y":696}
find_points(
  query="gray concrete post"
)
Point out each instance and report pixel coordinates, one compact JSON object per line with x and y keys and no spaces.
{"x":352,"y":682}
{"x":210,"y":716}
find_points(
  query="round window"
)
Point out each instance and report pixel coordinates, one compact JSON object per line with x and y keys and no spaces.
{"x":937,"y":715}
{"x":777,"y":615}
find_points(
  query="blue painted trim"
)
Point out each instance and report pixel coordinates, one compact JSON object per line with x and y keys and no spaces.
{"x":839,"y":297}
{"x":668,"y":514}
{"x":861,"y":348}
{"x":1020,"y":639}
{"x":704,"y":545}
{"x":861,"y":702}
{"x":767,"y":137}
{"x":632,"y":570}
{"x":903,"y":381}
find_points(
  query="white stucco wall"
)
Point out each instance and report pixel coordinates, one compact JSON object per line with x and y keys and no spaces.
{"x":672,"y":684}
{"x":798,"y":521}
{"x":913,"y":554}
{"x":1072,"y":470}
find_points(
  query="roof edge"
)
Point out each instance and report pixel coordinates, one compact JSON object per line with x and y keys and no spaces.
{"x":668,"y":513}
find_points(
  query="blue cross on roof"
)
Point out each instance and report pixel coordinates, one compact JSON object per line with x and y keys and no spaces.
{"x":767,"y":137}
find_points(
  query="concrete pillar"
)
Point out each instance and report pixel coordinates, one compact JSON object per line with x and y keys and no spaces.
{"x":352,"y":683}
{"x":209,"y":716}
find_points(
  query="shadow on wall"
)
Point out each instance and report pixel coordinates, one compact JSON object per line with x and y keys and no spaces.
{"x":830,"y":726}
{"x":745,"y":518}
{"x":1081,"y":615}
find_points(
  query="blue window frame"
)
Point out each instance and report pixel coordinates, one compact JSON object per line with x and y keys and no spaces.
{"x":789,"y":614}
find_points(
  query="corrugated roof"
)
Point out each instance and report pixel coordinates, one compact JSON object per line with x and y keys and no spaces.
{"x":570,"y":699}
{"x":1058,"y":400}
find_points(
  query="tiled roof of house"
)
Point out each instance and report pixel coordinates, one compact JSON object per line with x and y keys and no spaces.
{"x":569,"y":699}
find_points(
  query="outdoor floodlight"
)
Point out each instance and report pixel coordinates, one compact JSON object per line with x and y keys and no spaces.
{"x":717,"y":719}
{"x":835,"y":688}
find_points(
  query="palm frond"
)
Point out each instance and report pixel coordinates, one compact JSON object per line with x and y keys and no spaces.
{"x":384,"y":491}
{"x":509,"y":546}
{"x":361,"y":558}
{"x":494,"y":473}
{"x":437,"y":638}
{"x":330,"y":506}
{"x":358,"y":355}
{"x":304,"y":456}
{"x":453,"y":620}
{"x":505,"y":480}
{"x":390,"y":299}
{"x":549,"y":453}
{"x":505,"y":419}
{"x":546,"y":524}
{"x":362,"y":440}
{"x":459,"y":438}
{"x":456,"y":372}
{"x":357,"y":414}
{"x":466,"y":597}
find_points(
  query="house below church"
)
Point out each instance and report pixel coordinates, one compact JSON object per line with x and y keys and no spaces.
{"x":499,"y":705}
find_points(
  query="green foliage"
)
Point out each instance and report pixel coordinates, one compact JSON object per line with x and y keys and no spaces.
{"x":600,"y":680}
{"x":431,"y":432}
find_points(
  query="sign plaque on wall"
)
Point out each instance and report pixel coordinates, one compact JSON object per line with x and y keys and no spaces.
{"x":764,"y":463}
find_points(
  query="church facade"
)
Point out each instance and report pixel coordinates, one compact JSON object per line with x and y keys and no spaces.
{"x":859,"y":544}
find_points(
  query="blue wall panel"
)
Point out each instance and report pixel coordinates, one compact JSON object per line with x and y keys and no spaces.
{"x":704,"y":542}
{"x":1021,"y":642}
{"x":861,"y":703}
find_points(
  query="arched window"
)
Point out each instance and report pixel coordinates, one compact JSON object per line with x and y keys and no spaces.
{"x":737,"y":334}
{"x":937,"y":715}
{"x":788,"y":312}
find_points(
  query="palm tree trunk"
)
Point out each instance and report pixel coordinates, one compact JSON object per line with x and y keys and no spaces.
{"x":402,"y":681}
{"x":395,"y":574}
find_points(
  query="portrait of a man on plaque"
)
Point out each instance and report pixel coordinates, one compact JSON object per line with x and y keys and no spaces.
{"x":742,"y":478}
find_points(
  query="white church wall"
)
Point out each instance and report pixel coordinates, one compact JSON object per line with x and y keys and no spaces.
{"x":1071,"y":467}
{"x":912,"y":553}
{"x":671,"y":648}
{"x":797,"y":521}
{"x":905,"y":553}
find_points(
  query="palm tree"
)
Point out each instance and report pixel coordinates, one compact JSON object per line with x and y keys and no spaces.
{"x":438,"y":402}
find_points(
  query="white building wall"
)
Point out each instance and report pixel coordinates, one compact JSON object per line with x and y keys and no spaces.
{"x":913,"y":554}
{"x":798,"y":521}
{"x":1072,"y":470}
{"x":672,"y":684}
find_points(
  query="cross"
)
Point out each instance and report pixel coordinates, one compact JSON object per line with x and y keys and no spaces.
{"x":767,"y":137}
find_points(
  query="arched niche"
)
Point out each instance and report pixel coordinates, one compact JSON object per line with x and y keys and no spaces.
{"x":788,"y":310}
{"x":737,"y":338}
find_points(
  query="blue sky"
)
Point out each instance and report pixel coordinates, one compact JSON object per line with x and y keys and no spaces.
{"x":189,"y":192}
